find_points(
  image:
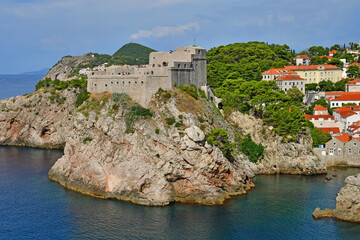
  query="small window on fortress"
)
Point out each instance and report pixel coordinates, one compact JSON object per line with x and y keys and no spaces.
{"x":95,"y":84}
{"x":135,"y":82}
{"x":123,"y":82}
{"x":112,"y":83}
{"x":142,"y":82}
{"x":129,"y":82}
{"x":165,"y":64}
{"x":152,"y":72}
{"x":92,"y":73}
{"x":117,"y":82}
{"x":105,"y":85}
{"x":153,"y":65}
{"x":178,"y":65}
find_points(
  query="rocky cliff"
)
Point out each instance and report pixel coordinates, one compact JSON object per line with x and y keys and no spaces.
{"x":279,"y":157}
{"x":347,"y":202}
{"x":66,"y":65}
{"x":116,"y":149}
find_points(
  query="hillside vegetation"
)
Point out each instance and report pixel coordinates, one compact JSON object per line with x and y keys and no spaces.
{"x":245,"y":60}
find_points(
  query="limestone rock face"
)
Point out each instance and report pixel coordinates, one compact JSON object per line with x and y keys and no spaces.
{"x":41,"y":119}
{"x":66,"y":65}
{"x":286,"y":158}
{"x":348,"y":200}
{"x":146,"y":167}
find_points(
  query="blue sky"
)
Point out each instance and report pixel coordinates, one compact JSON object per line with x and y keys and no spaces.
{"x":35,"y":34}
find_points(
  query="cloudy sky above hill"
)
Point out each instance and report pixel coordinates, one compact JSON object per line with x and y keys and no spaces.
{"x":36,"y":33}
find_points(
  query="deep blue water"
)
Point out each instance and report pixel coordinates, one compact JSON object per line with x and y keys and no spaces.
{"x":280,"y":207}
{"x":14,"y":85}
{"x":33,"y":207}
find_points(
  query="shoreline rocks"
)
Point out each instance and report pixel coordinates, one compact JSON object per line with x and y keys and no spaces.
{"x":347,"y":202}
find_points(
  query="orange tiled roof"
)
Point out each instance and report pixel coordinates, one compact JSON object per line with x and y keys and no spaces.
{"x":328,"y":130}
{"x":278,"y":71}
{"x":289,"y":77}
{"x":347,"y":108}
{"x":317,"y":117}
{"x":348,"y":96}
{"x":346,"y":114}
{"x":355,"y":64}
{"x":334,"y":93}
{"x":320,"y":108}
{"x":302,"y":56}
{"x":353,"y":81}
{"x":345,"y":137}
{"x":333,"y":51}
{"x":312,"y":67}
{"x":328,"y":57}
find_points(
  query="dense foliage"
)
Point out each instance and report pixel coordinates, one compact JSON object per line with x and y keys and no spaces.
{"x":327,"y":85}
{"x":245,"y":60}
{"x":321,"y":102}
{"x":61,"y":85}
{"x":254,"y":151}
{"x":129,"y":54}
{"x":219,"y":137}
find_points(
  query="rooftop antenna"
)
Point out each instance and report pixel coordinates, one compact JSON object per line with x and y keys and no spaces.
{"x":194,"y":41}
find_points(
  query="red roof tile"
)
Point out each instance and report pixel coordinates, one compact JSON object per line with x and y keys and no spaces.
{"x":278,"y":71}
{"x":344,"y":138}
{"x":334,"y":93}
{"x":289,"y":77}
{"x":348,"y":96}
{"x":346,"y":114}
{"x":320,"y":108}
{"x":302,"y":56}
{"x":333,"y":51}
{"x":317,"y":117}
{"x":355,"y":64}
{"x":312,"y":67}
{"x":347,"y":108}
{"x":328,"y":130}
{"x":357,"y":80}
{"x":328,"y":57}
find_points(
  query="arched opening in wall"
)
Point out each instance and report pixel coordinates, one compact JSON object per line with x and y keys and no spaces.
{"x":152,"y":72}
{"x":165,"y":64}
{"x":142,"y":82}
{"x":92,"y":73}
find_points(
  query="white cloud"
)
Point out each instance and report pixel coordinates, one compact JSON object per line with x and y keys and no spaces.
{"x":162,"y":31}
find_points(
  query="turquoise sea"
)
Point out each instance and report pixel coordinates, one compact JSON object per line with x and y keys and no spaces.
{"x":280,"y":207}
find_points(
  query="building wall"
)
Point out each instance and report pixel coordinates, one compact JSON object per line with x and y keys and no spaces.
{"x":352,"y":88}
{"x":185,"y":66}
{"x":316,"y":76}
{"x":340,"y":154}
{"x":287,"y":84}
{"x":341,"y":103}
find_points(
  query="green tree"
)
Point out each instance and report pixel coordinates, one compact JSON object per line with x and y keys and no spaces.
{"x":336,"y":62}
{"x":354,"y":71}
{"x":326,"y":86}
{"x":319,"y":137}
{"x":219,"y":137}
{"x":311,"y":87}
{"x":295,"y":94}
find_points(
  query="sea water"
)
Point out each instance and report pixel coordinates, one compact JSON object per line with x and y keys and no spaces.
{"x":279,"y":207}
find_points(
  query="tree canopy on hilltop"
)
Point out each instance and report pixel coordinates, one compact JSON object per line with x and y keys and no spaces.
{"x":245,"y":60}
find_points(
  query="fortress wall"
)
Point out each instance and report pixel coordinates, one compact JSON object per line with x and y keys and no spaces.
{"x":139,"y":88}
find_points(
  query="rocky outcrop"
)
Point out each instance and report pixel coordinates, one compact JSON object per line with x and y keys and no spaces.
{"x":348,"y":200}
{"x":155,"y":165}
{"x":279,"y":157}
{"x":66,"y":65}
{"x":110,"y":153}
{"x":41,"y":119}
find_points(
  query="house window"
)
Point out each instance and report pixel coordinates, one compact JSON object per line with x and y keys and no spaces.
{"x":355,"y":144}
{"x":339,"y":150}
{"x":349,"y":150}
{"x":334,"y":143}
{"x":331,"y":151}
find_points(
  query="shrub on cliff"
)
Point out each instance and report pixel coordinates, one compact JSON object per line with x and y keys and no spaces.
{"x":219,"y":137}
{"x":255,"y":152}
{"x":82,"y":97}
{"x":191,"y":90}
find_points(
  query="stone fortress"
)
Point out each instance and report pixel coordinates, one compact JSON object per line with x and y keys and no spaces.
{"x":184,"y":66}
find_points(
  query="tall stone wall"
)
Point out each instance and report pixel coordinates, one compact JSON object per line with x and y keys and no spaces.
{"x":185,"y":66}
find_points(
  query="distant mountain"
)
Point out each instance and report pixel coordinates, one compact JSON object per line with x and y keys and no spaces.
{"x":40,"y":72}
{"x":134,"y":50}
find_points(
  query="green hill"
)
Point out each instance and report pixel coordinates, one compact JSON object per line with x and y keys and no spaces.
{"x":136,"y":51}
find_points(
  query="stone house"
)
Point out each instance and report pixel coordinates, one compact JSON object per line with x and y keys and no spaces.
{"x":341,"y":150}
